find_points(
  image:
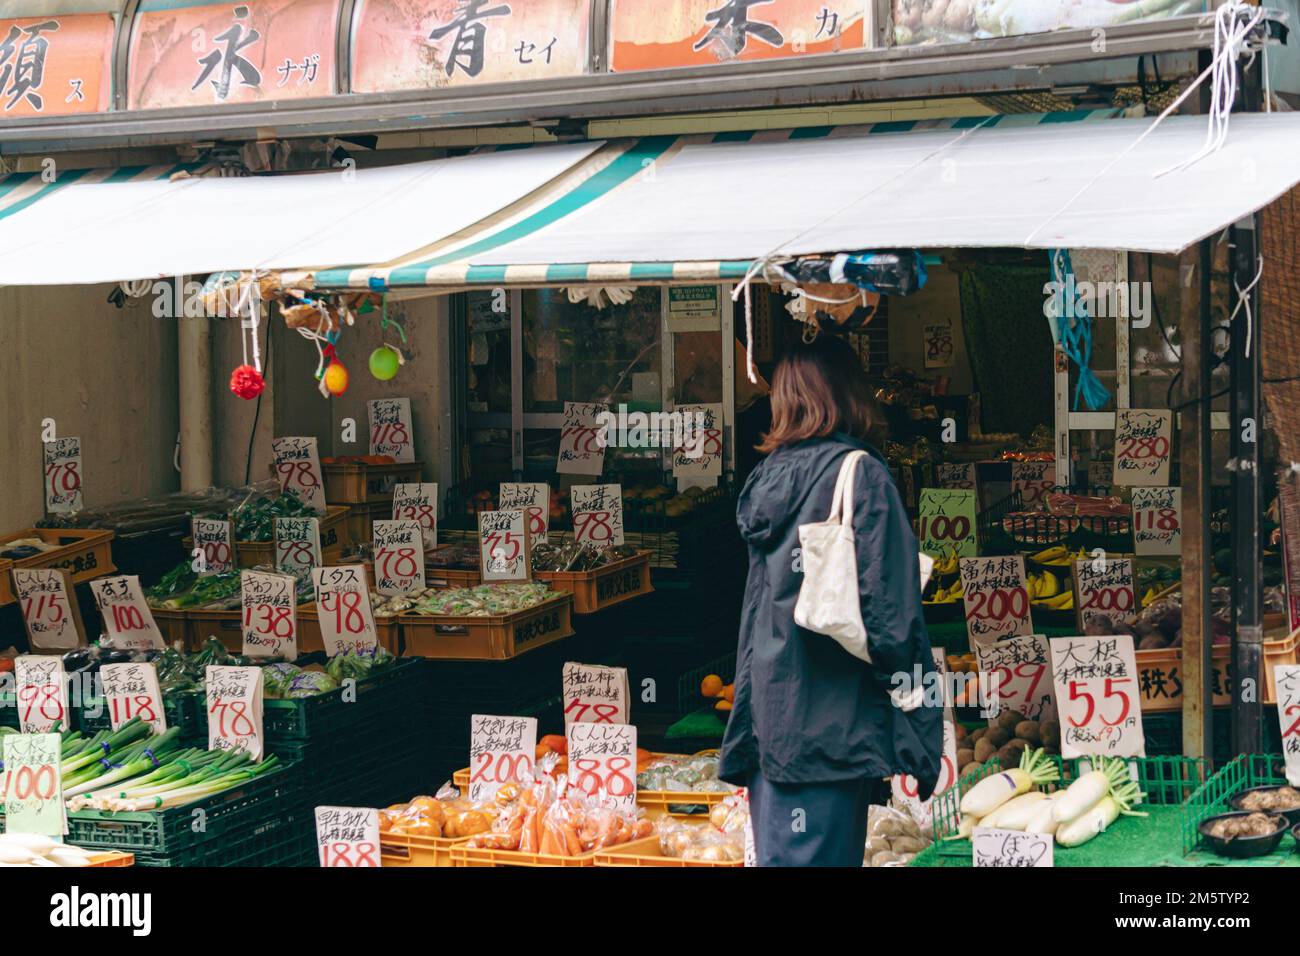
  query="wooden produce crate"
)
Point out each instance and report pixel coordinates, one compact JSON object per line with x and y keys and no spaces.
{"x":356,"y":483}
{"x":1160,"y":673}
{"x":362,"y":518}
{"x":448,"y":578}
{"x":400,"y":849}
{"x":603,"y":587}
{"x":637,"y":854}
{"x":387,"y":630}
{"x":174,"y":624}
{"x":334,"y":540}
{"x":493,"y":638}
{"x":84,"y":554}
{"x":468,"y":856}
{"x":227,"y":627}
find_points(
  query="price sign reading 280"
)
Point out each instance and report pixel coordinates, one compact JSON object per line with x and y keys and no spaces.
{"x":1097,"y":695}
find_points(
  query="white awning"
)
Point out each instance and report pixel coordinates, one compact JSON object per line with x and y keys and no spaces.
{"x":83,"y":226}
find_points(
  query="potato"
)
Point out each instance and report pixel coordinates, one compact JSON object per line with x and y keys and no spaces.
{"x":1027,"y":730}
{"x":880,"y":859}
{"x":976,"y":734}
{"x":902,"y":845}
{"x":1008,"y":719}
{"x":968,"y":768}
{"x":959,"y":731}
{"x":1049,"y":732}
{"x":905,"y":859}
{"x":1009,"y":756}
{"x":876,"y":844}
{"x":964,"y":756}
{"x":984,"y":750}
{"x":999,"y":736}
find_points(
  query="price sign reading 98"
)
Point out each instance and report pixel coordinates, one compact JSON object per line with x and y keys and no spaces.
{"x":42,"y":693}
{"x":1097,"y":696}
{"x":343,"y":608}
{"x":33,"y":797}
{"x":127,"y":618}
{"x":213,"y":539}
{"x":533,"y":498}
{"x":697,"y":453}
{"x":418,"y":503}
{"x":348,"y":836}
{"x":131,"y":690}
{"x":391,"y":431}
{"x":43,"y":594}
{"x":270,"y":622}
{"x":399,"y":557}
{"x":602,"y":760}
{"x":1288,"y":712}
{"x":996,"y":597}
{"x":503,"y":545}
{"x":597,"y":515}
{"x":947,"y":522}
{"x":582,"y":439}
{"x":63,"y":475}
{"x":297,"y":466}
{"x":297,"y":546}
{"x":594,"y":693}
{"x":1020,"y":672}
{"x":234,"y":699}
{"x":501,"y":749}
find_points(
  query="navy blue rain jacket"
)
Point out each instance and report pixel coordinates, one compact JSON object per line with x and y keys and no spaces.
{"x":807,"y":711}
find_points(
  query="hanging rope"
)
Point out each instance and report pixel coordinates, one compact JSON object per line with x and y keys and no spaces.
{"x":1074,"y":333}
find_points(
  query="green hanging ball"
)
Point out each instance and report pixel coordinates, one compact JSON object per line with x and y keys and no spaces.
{"x":383,"y":363}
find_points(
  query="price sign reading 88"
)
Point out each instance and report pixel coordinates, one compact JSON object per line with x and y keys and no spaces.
{"x":343,"y":608}
{"x":348,"y":836}
{"x":597,"y":515}
{"x":501,"y":749}
{"x":602,"y":759}
{"x":1097,"y":695}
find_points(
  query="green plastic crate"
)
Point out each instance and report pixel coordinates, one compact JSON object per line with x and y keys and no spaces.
{"x":283,"y":840}
{"x":171,"y":832}
{"x":1246,"y":771}
{"x":181,"y":710}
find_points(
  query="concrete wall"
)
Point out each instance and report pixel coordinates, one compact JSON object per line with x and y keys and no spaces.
{"x":104,"y":374}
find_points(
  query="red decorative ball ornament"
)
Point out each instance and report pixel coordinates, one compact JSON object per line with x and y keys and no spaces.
{"x":247,"y":382}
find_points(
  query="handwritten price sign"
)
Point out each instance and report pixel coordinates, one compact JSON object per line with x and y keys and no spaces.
{"x":906,"y":790}
{"x":348,"y":836}
{"x":594,"y":694}
{"x":33,"y":787}
{"x":343,"y":608}
{"x":51,"y":616}
{"x":399,"y":557}
{"x":582,"y":439}
{"x":297,"y":465}
{"x":127,"y":618}
{"x":42,"y":694}
{"x":1288,"y":712}
{"x":1034,"y":480}
{"x":602,"y":760}
{"x":533,"y":498}
{"x":297,"y":546}
{"x":503,"y":546}
{"x":391,"y":429}
{"x":697,"y":453}
{"x":1103,"y":588}
{"x":1096,"y":686}
{"x":270,"y":621}
{"x":234,"y":699}
{"x":992,"y":847}
{"x":597,"y":515}
{"x":996,"y":597}
{"x":418,"y":503}
{"x":1020,"y":672}
{"x":63,"y":475}
{"x":131,"y":690}
{"x":501,"y":750}
{"x":213,"y":539}
{"x":1143,"y":444}
{"x":956,"y":476}
{"x":947,"y":522}
{"x":1158,"y":521}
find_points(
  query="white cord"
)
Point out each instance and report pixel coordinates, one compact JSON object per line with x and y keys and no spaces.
{"x":1243,"y":300}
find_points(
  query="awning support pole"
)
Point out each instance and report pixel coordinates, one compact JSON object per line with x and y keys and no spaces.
{"x":194,"y":389}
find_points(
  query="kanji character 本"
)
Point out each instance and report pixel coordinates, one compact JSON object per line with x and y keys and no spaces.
{"x":828,"y":22}
{"x":229,"y":59}
{"x":22,"y":65}
{"x":467,"y":48}
{"x":732,"y":25}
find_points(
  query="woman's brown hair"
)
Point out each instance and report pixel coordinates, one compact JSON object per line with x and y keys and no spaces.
{"x":820,"y":388}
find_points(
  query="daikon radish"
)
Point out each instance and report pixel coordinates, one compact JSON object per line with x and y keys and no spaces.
{"x":991,"y":792}
{"x":31,"y":841}
{"x":1042,"y":821}
{"x":1086,"y":792}
{"x":1016,"y":813}
{"x":1083,"y":828}
{"x":12,"y":853}
{"x":64,"y":856}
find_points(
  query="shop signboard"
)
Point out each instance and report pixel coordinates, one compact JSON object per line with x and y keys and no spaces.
{"x":1157,"y":521}
{"x":656,"y":34}
{"x":197,"y":53}
{"x":348,"y":836}
{"x":56,"y":65}
{"x":694,"y":308}
{"x":399,"y":45}
{"x":955,"y":21}
{"x":1096,"y":682}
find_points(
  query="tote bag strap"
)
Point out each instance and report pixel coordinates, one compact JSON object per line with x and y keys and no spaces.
{"x":842,"y":506}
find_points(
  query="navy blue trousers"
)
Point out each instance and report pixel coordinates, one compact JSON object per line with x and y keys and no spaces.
{"x":811,"y":824}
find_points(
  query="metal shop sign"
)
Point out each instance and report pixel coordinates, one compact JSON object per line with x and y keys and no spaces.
{"x":655,"y":34}
{"x":51,"y":66}
{"x":399,"y":45}
{"x":193,"y":53}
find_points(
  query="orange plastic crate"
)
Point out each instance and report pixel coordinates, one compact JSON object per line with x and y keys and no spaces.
{"x":112,"y":859}
{"x":400,"y":849}
{"x":1159,"y":673}
{"x":634,"y":854}
{"x":387,"y":630}
{"x":355,"y":483}
{"x":469,"y":856}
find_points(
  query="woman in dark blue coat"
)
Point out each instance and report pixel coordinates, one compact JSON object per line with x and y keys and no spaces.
{"x":814,"y":731}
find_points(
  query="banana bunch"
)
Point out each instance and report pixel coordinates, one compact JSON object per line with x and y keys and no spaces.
{"x":1043,"y":586}
{"x":947,"y":564}
{"x":949,"y":595}
{"x":1058,"y":556}
{"x":1151,"y":595}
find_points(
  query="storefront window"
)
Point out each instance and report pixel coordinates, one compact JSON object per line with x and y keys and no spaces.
{"x":488,"y":346}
